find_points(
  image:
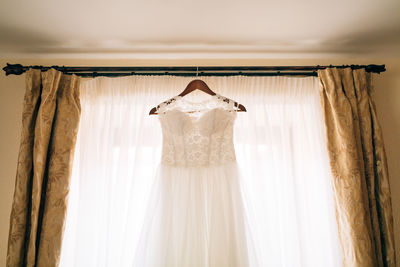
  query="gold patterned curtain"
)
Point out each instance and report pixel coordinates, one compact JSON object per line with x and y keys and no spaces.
{"x":50,"y":121}
{"x":359,"y":167}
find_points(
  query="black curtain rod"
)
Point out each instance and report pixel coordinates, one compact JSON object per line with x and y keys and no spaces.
{"x":18,"y":69}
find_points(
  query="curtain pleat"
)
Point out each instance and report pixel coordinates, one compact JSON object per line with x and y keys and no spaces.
{"x":50,"y":121}
{"x":359,"y":166}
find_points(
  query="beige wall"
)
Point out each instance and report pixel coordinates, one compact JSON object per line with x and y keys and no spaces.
{"x":387,"y":98}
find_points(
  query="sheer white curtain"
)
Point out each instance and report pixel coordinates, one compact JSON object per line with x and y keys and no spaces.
{"x":280,"y":149}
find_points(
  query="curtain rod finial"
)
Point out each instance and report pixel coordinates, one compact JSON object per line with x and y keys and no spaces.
{"x":375,"y":68}
{"x":16,"y":69}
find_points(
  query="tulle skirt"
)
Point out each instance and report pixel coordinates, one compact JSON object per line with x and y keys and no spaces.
{"x":195,"y":218}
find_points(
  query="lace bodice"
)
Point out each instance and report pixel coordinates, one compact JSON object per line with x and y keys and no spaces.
{"x":199,"y":138}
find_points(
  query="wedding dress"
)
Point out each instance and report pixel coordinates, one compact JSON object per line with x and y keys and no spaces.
{"x":195,"y":216}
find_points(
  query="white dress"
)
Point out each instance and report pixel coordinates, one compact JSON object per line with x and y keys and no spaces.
{"x":196,"y":216}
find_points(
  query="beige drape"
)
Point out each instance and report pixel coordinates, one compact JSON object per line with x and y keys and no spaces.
{"x":50,"y":120}
{"x":359,"y":167}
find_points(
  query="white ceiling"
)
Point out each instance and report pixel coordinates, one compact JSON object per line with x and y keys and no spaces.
{"x":214,"y":29}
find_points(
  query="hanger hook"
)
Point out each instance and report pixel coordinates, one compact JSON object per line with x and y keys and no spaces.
{"x":197,"y":72}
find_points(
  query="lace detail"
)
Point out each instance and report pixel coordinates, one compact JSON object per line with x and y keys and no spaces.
{"x":185,"y":105}
{"x":197,"y":134}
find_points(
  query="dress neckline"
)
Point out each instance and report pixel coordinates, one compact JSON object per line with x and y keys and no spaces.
{"x":200,"y":115}
{"x":203,"y":102}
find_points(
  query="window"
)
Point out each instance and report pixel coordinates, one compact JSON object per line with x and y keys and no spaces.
{"x":280,"y":149}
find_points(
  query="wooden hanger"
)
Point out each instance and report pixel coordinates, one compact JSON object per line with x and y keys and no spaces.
{"x":202,"y":86}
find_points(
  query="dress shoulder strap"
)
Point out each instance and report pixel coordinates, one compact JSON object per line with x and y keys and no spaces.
{"x":167,"y":104}
{"x":229,"y":103}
